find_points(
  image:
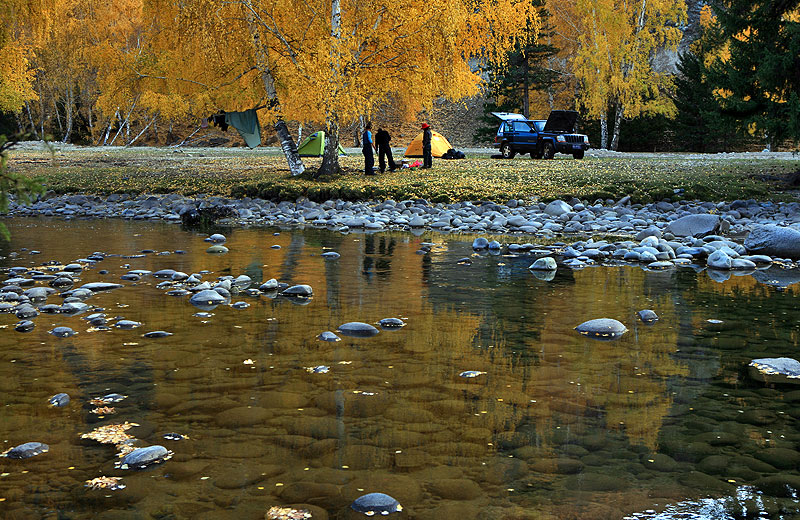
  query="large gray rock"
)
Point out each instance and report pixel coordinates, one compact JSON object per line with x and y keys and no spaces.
{"x":602,"y":328}
{"x":698,"y":225}
{"x":774,"y":241}
{"x":557,"y":207}
{"x":775,"y":370}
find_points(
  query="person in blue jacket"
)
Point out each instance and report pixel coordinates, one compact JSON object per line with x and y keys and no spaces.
{"x":368,"y":144}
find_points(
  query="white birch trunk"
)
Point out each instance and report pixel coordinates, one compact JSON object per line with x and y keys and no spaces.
{"x":604,"y":131}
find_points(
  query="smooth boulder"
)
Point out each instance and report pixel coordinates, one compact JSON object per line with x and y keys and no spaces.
{"x":698,"y":225}
{"x":602,"y":328}
{"x":775,"y":370}
{"x":773,"y":240}
{"x":357,"y":329}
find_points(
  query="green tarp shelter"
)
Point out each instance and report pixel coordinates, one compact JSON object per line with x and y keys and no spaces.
{"x":314,"y":146}
{"x":247,"y":124}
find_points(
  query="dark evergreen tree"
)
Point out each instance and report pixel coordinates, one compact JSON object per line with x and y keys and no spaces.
{"x":761,"y":78}
{"x":700,"y":125}
{"x":509,"y":87}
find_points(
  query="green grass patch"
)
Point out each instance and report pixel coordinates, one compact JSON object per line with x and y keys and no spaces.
{"x":263,"y":173}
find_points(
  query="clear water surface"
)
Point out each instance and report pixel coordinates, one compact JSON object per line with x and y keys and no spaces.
{"x":664,"y":423}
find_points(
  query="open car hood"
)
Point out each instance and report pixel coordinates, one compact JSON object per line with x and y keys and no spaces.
{"x":509,"y":116}
{"x":561,"y":121}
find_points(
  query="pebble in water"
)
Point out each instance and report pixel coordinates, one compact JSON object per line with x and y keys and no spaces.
{"x":127,"y":324}
{"x":140,"y":458}
{"x":62,"y":332}
{"x":300,"y":291}
{"x":24,"y":326}
{"x":27,"y":450}
{"x":156,"y":334}
{"x":647,"y":316}
{"x":391,"y":323}
{"x":471,"y":373}
{"x":328,"y":336}
{"x":216,"y":238}
{"x":321,"y":369}
{"x":217,"y":249}
{"x":240,"y":305}
{"x":376,"y":503}
{"x":602,"y":328}
{"x":357,"y":329}
{"x":330,"y":255}
{"x":59,"y":400}
{"x":172,"y":436}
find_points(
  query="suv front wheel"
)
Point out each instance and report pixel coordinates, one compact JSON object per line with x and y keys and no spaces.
{"x":506,"y":151}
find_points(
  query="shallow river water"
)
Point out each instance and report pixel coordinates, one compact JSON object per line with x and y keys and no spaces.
{"x":664,"y":423}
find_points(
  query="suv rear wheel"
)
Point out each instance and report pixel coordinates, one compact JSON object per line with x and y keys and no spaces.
{"x":506,"y":151}
{"x":548,"y":150}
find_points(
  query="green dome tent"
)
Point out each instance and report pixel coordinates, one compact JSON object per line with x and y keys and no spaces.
{"x":314,"y":146}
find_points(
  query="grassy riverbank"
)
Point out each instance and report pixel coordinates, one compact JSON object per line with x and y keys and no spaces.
{"x":235,"y":172}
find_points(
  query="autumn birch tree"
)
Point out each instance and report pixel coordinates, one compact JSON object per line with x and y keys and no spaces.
{"x":613,"y":63}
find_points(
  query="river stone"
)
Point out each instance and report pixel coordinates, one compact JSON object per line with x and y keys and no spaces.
{"x":142,"y":457}
{"x":391,"y":323}
{"x":647,"y":316}
{"x":557,"y":208}
{"x":548,"y":263}
{"x":72,"y":308}
{"x":781,"y":458}
{"x":480,"y":243}
{"x":328,"y":336}
{"x":719,"y":260}
{"x":156,"y":334}
{"x":455,"y":489}
{"x":217,"y":249}
{"x":37,"y":294}
{"x":376,"y":503}
{"x":207,"y":297}
{"x":242,"y":416}
{"x":24,"y":326}
{"x":775,"y":370}
{"x":216,"y":238}
{"x":62,"y":332}
{"x":25,"y":310}
{"x":602,"y":328}
{"x":774,"y":240}
{"x":59,"y":400}
{"x":27,"y":450}
{"x":595,"y":482}
{"x":127,"y":324}
{"x":784,"y":485}
{"x":164,"y":273}
{"x":269,"y":285}
{"x":698,"y":225}
{"x":357,"y":329}
{"x":301,"y":291}
{"x":100,"y":286}
{"x":330,"y":255}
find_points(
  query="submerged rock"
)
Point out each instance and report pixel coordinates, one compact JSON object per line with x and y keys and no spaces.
{"x":647,"y":316}
{"x":157,"y":334}
{"x":24,"y":326}
{"x":602,"y":328}
{"x":217,"y":249}
{"x":391,"y":323}
{"x":59,"y":400}
{"x":357,"y":329}
{"x":775,"y":370}
{"x":142,"y":457}
{"x":62,"y":332}
{"x":328,"y":336}
{"x":376,"y":503}
{"x":303,"y":291}
{"x":25,"y":451}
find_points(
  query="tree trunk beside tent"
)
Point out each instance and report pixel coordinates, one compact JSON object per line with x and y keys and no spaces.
{"x":330,"y":155}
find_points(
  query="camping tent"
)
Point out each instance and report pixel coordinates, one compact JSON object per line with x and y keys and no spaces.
{"x":439,"y":145}
{"x":314,"y":146}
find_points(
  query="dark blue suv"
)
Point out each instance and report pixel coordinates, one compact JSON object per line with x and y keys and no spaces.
{"x":540,"y":138}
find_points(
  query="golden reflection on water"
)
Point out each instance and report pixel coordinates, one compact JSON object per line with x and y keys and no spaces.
{"x":391,"y":415}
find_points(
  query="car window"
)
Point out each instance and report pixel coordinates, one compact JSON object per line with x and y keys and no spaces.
{"x":539,"y":125}
{"x":506,"y":126}
{"x":521,"y":126}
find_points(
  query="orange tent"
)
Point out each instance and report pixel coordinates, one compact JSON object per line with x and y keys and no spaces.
{"x":439,"y":145}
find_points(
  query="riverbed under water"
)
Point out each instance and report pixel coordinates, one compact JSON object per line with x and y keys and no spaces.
{"x":664,"y":423}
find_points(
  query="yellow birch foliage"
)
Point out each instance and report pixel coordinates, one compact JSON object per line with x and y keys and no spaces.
{"x":617,"y":41}
{"x":410,"y":51}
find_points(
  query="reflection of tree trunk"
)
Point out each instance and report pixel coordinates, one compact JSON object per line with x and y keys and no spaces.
{"x":603,"y":131}
{"x":293,"y":253}
{"x":617,"y":124}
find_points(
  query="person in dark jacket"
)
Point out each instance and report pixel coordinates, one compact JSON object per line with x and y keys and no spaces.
{"x":427,"y":157}
{"x":366,"y":148}
{"x":382,"y":139}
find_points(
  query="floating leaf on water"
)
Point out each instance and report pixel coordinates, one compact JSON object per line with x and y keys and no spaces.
{"x":112,"y":483}
{"x":248,"y":361}
{"x":103,"y":410}
{"x":287,"y":513}
{"x":110,"y":433}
